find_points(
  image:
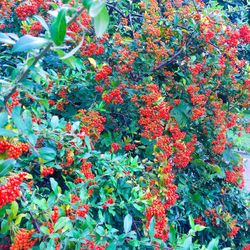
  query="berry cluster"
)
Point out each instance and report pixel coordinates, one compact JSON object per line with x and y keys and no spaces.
{"x":47,"y":171}
{"x":103,"y":73}
{"x":13,"y":150}
{"x":11,"y":189}
{"x":115,"y":147}
{"x":23,"y":240}
{"x":114,"y":96}
{"x":24,"y":11}
{"x":91,"y":49}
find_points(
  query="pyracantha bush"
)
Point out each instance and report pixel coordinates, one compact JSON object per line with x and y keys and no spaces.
{"x":120,"y":140}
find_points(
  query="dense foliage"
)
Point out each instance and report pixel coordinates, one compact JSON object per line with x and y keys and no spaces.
{"x":120,"y":140}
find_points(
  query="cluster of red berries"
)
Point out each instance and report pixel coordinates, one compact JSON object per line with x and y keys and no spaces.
{"x":199,"y":220}
{"x":108,"y":202}
{"x":24,"y":11}
{"x":129,"y":146}
{"x":90,"y":245}
{"x":158,"y":211}
{"x":34,"y":29}
{"x":114,"y":96}
{"x":114,"y":147}
{"x":13,"y":150}
{"x":10,"y":191}
{"x":103,"y":73}
{"x":91,"y":49}
{"x":14,"y":101}
{"x":92,"y":123}
{"x":23,"y":240}
{"x":235,"y":176}
{"x":47,"y":171}
{"x":86,"y":170}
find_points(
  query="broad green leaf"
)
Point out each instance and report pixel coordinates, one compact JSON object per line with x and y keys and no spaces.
{"x":14,"y":208}
{"x":63,"y":221}
{"x":4,"y":227}
{"x":187,"y":244}
{"x":19,"y":219}
{"x":17,"y":118}
{"x":213,"y":244}
{"x":191,"y":221}
{"x":44,"y":230}
{"x":7,"y":132}
{"x":54,"y":122}
{"x":58,"y":28}
{"x":6,"y":166}
{"x":28,"y":42}
{"x":3,"y":119}
{"x":47,"y":154}
{"x":101,"y":22}
{"x":27,"y":119}
{"x":127,"y":223}
{"x":96,"y":8}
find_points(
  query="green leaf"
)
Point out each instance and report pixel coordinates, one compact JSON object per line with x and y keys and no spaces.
{"x":7,"y":132}
{"x":3,"y":119}
{"x":19,"y":218}
{"x":28,"y":42}
{"x":58,"y":28}
{"x":96,"y":8}
{"x":172,"y":235}
{"x":54,"y":185}
{"x":17,"y":119}
{"x":151,"y":229}
{"x":4,"y":38}
{"x":187,"y":244}
{"x":213,"y":244}
{"x":54,"y":122}
{"x":47,"y":154}
{"x":87,"y":141}
{"x":101,"y":22}
{"x":14,"y":208}
{"x":127,"y":223}
{"x":6,"y":166}
{"x":63,"y":221}
{"x":4,"y":227}
{"x":191,"y":221}
{"x":42,"y":22}
{"x":27,"y":119}
{"x":44,"y":230}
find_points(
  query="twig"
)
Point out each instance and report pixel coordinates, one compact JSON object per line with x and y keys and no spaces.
{"x":165,"y":63}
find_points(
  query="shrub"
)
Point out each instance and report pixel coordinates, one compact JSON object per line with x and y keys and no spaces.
{"x":119,"y":140}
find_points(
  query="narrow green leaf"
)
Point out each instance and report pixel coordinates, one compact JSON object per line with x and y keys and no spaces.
{"x":28,"y":42}
{"x":58,"y":28}
{"x":6,"y":39}
{"x":101,"y":22}
{"x":54,"y":185}
{"x":3,"y":119}
{"x":151,"y":229}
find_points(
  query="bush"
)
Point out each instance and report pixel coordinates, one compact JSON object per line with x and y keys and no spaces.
{"x":118,"y":140}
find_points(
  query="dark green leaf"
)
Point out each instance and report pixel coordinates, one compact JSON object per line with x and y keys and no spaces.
{"x":47,"y":154}
{"x":58,"y":28}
